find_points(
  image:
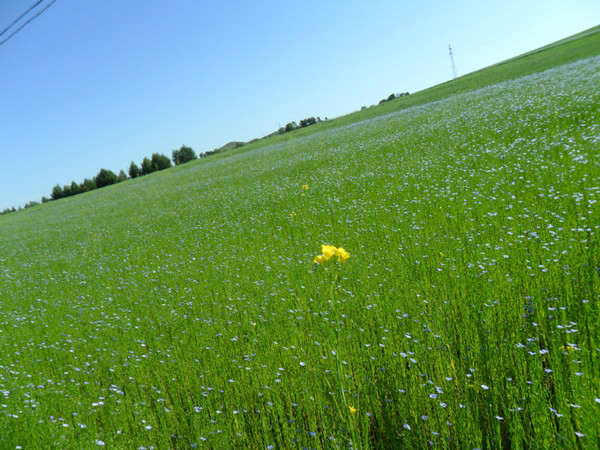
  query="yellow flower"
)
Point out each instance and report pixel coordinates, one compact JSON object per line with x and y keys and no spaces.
{"x":352,"y":409}
{"x":319,"y":259}
{"x":292,"y":215}
{"x":342,"y":255}
{"x":328,"y":251}
{"x":568,"y":347}
{"x":305,"y":187}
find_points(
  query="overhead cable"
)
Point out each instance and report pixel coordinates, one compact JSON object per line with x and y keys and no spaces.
{"x":48,"y":5}
{"x":19,"y":18}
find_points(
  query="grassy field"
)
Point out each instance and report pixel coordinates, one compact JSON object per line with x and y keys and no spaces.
{"x":582,"y":45}
{"x":185,"y":308}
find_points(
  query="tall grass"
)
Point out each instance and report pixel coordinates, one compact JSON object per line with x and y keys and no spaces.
{"x":184,"y":309}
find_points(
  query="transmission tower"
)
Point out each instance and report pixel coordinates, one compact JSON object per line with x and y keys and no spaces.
{"x":452,"y":60}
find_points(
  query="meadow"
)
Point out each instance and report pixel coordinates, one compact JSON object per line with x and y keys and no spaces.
{"x":185,"y":309}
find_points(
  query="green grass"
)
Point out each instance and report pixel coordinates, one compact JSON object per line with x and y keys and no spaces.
{"x":184,"y":309}
{"x":581,"y":45}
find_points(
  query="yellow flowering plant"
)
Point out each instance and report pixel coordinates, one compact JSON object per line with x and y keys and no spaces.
{"x":331,"y":253}
{"x":330,"y":258}
{"x":342,"y":255}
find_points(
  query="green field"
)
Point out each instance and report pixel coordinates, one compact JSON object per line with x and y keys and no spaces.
{"x":184,"y":308}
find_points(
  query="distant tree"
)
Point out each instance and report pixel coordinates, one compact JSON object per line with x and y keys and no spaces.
{"x":160,"y":161}
{"x":30,"y":204}
{"x":122,"y":176}
{"x":146,"y":167}
{"x":291,"y":126}
{"x":88,"y":185}
{"x":45,"y":199}
{"x":67,"y":190}
{"x":391,"y":97}
{"x":183,"y":155}
{"x":134,"y":170}
{"x":105,"y":178}
{"x":57,"y":192}
{"x":307,"y":122}
{"x":208,"y":153}
{"x":75,"y":188}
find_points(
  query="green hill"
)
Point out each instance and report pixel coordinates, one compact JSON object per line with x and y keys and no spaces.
{"x":196,"y":306}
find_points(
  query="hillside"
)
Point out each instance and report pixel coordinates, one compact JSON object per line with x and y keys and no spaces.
{"x":424,"y":272}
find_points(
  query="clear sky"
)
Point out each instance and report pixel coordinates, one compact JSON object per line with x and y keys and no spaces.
{"x":98,"y":84}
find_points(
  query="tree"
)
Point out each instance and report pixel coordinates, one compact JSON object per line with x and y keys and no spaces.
{"x":291,"y":126}
{"x":57,"y":192}
{"x":390,"y":98}
{"x":183,"y":155}
{"x":308,"y":121}
{"x":88,"y":185}
{"x":122,"y":176}
{"x":105,"y":178}
{"x":160,"y":161}
{"x":134,"y":170}
{"x":146,"y":167}
{"x":75,"y":188}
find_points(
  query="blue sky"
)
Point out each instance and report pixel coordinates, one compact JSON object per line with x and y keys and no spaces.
{"x":98,"y":84}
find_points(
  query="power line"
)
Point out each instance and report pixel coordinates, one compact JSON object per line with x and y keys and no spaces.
{"x":28,"y":20}
{"x":19,"y":18}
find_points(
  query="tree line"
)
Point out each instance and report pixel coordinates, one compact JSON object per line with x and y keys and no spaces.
{"x":393,"y":97}
{"x":106,"y":177}
{"x":303,"y":124}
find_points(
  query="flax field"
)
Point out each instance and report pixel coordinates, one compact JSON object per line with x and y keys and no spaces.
{"x":210,"y":305}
